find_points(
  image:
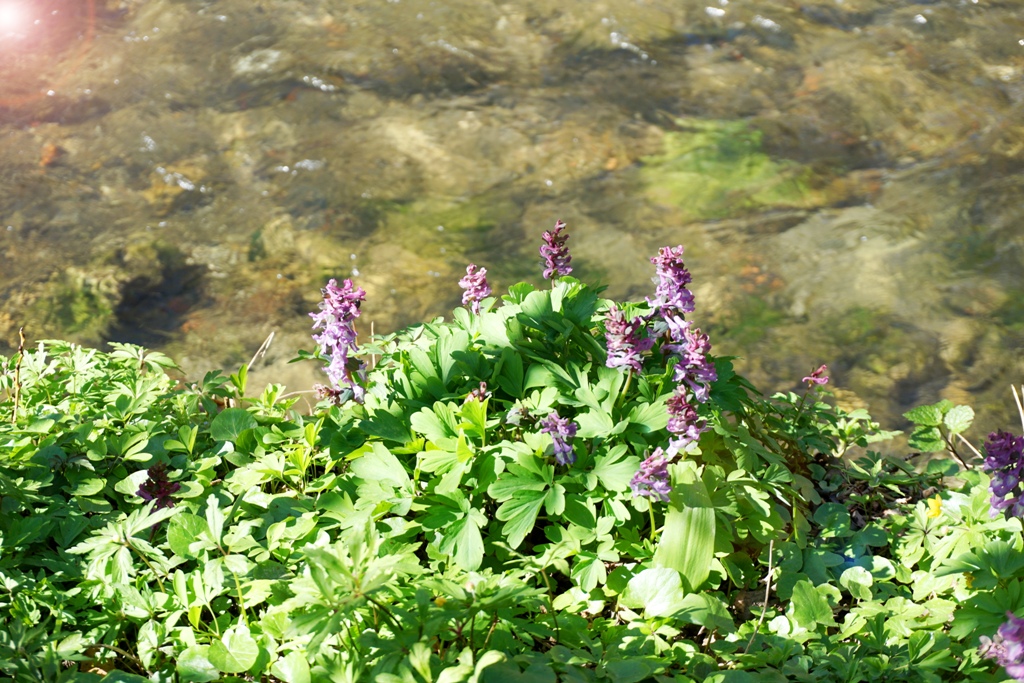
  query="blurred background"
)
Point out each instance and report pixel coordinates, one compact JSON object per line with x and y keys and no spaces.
{"x":845,"y":175}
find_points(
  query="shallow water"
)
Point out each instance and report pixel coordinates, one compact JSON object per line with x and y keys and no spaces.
{"x":844,"y":174}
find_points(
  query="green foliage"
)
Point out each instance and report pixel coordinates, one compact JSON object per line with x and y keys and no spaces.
{"x":936,"y":425}
{"x":428,"y":534}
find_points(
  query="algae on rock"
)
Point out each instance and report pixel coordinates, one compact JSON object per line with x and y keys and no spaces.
{"x":715,"y":169}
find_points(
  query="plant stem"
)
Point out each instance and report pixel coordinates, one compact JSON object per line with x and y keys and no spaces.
{"x":625,"y":387}
{"x":654,"y":531}
{"x":387,"y":613}
{"x":490,"y":631}
{"x":767,"y":591}
{"x":17,"y":376}
{"x":551,"y":606}
{"x":123,"y":653}
{"x":138,"y":552}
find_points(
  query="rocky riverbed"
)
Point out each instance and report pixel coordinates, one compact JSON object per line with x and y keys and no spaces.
{"x":845,"y":174}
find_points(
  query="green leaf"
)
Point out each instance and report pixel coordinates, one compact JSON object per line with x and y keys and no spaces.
{"x":926,"y":440}
{"x":579,"y":512}
{"x":925,"y":416}
{"x":230,"y":423}
{"x":959,"y":419}
{"x":518,"y":292}
{"x":292,"y":668}
{"x":809,"y":607}
{"x":194,"y":665}
{"x":419,"y":658}
{"x":511,"y":379}
{"x":520,"y":514}
{"x":707,"y":611}
{"x":650,"y":417}
{"x":834,"y":520}
{"x":235,"y":652}
{"x":628,"y":670}
{"x":658,"y":591}
{"x":588,"y":571}
{"x":129,"y":486}
{"x":214,"y":518}
{"x":123,"y":677}
{"x":857,"y":580}
{"x":736,"y":676}
{"x":521,"y":477}
{"x":616,"y":468}
{"x":380,"y":465}
{"x":462,"y":540}
{"x":450,"y":343}
{"x":474,"y":416}
{"x":183,"y":530}
{"x":687,"y":542}
{"x":594,"y":423}
{"x":435,"y":424}
{"x":386,"y":426}
{"x":87,"y":486}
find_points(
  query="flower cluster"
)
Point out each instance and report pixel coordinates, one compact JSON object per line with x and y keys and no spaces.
{"x":555,"y":253}
{"x":1004,"y":461}
{"x":651,"y":479}
{"x":1007,"y":647}
{"x":671,"y":295}
{"x":693,"y":372}
{"x":157,"y":487}
{"x":480,"y":394}
{"x":338,"y":312}
{"x":683,"y":420}
{"x":625,"y":344}
{"x":562,"y":431}
{"x":475,"y":284}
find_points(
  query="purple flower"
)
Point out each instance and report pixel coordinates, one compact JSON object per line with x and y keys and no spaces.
{"x":694,"y":372}
{"x":817,"y":377}
{"x":1007,"y":648}
{"x":1004,"y":460}
{"x":652,"y":479}
{"x":475,"y":284}
{"x":999,"y":504}
{"x":337,"y":315}
{"x":1002,"y":450}
{"x":1003,"y":483}
{"x":691,"y":346}
{"x":555,"y":253}
{"x":562,"y":431}
{"x":671,"y":294}
{"x":683,"y":420}
{"x":624,"y":341}
{"x":157,"y":487}
{"x":479,"y":394}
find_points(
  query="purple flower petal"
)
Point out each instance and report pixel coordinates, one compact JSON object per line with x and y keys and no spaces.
{"x":817,"y":377}
{"x":475,"y":284}
{"x":555,"y":253}
{"x":337,"y":315}
{"x":562,"y":431}
{"x":652,"y":479}
{"x":623,"y":340}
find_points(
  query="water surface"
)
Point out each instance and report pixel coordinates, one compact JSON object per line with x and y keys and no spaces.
{"x":845,"y":175}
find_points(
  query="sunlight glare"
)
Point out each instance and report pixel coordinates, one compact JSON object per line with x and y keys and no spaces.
{"x":11,"y":16}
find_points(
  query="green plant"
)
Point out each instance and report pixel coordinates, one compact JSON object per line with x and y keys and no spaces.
{"x":502,"y":503}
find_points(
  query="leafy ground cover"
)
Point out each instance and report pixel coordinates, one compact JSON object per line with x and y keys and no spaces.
{"x":549,"y":486}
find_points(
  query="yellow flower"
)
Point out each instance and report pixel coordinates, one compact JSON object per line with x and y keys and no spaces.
{"x":440,"y":600}
{"x":934,"y":507}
